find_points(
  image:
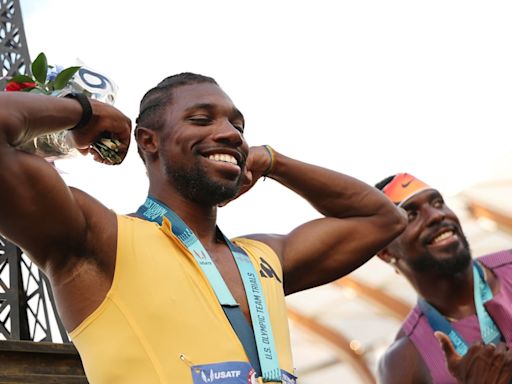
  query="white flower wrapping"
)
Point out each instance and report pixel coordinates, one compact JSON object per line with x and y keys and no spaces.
{"x":95,"y":85}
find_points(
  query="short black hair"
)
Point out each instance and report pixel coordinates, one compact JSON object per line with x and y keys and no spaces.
{"x":381,"y":184}
{"x":157,"y":98}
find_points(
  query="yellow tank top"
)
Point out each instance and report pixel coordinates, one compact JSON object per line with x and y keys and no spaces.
{"x":161,"y":316}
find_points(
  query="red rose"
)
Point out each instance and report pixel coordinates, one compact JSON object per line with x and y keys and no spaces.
{"x":13,"y":86}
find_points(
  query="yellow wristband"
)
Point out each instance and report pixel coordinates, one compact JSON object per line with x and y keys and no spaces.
{"x":272,"y":155}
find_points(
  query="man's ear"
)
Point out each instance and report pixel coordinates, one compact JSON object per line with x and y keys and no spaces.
{"x":385,"y":255}
{"x":388,"y":258}
{"x":147,"y":140}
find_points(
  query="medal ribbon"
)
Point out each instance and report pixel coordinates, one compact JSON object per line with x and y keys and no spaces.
{"x":154,"y":210}
{"x":488,"y":329}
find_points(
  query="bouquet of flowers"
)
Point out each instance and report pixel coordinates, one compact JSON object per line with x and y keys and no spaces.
{"x":57,"y":81}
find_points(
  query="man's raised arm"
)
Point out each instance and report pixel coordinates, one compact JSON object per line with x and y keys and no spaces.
{"x":37,"y":210}
{"x":359,"y":221}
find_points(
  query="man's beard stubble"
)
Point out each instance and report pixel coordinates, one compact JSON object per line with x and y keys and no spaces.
{"x":427,"y":263}
{"x":194,"y":184}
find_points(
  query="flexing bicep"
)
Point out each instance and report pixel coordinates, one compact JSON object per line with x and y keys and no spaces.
{"x":326,"y":249}
{"x":37,"y":210}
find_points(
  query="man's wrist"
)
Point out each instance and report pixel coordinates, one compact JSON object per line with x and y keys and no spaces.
{"x":86,"y":109}
{"x":272,"y":162}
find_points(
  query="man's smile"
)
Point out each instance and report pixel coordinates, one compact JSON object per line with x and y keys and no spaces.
{"x":224,"y":157}
{"x":444,"y":236}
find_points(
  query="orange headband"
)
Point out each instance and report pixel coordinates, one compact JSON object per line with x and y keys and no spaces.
{"x":402,"y":187}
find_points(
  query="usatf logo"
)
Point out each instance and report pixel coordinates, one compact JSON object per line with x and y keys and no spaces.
{"x":267,"y":270}
{"x":229,"y":372}
{"x":213,"y":376}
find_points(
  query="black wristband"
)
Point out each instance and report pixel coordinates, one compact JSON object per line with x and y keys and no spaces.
{"x":86,"y":109}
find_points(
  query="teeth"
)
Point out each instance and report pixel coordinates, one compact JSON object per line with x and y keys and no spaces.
{"x":442,"y":236}
{"x":223,"y":157}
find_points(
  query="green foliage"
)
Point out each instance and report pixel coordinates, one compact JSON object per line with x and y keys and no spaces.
{"x":40,"y":68}
{"x":22,"y":79}
{"x":45,"y":84}
{"x":64,"y":77}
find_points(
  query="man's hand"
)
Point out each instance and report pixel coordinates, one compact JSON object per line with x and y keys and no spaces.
{"x":482,"y":364}
{"x":107,"y":122}
{"x":258,"y":162}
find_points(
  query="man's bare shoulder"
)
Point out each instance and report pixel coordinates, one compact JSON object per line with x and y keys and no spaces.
{"x":402,"y":364}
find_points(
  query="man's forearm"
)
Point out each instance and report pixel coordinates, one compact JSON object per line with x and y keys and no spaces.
{"x":332,"y":193}
{"x":24,"y":116}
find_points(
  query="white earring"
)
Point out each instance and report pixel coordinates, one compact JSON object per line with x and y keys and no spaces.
{"x":393,"y":262}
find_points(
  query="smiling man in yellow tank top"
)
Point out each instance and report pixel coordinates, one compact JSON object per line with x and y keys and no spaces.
{"x":161,"y":296}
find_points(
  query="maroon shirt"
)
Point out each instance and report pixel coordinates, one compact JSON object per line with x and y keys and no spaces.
{"x":417,"y":328}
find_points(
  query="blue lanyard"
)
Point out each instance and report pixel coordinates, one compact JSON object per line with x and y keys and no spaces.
{"x":488,"y":329}
{"x":154,"y":210}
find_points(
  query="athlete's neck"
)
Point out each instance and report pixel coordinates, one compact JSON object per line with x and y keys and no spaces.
{"x":452,"y":296}
{"x":201,"y":219}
